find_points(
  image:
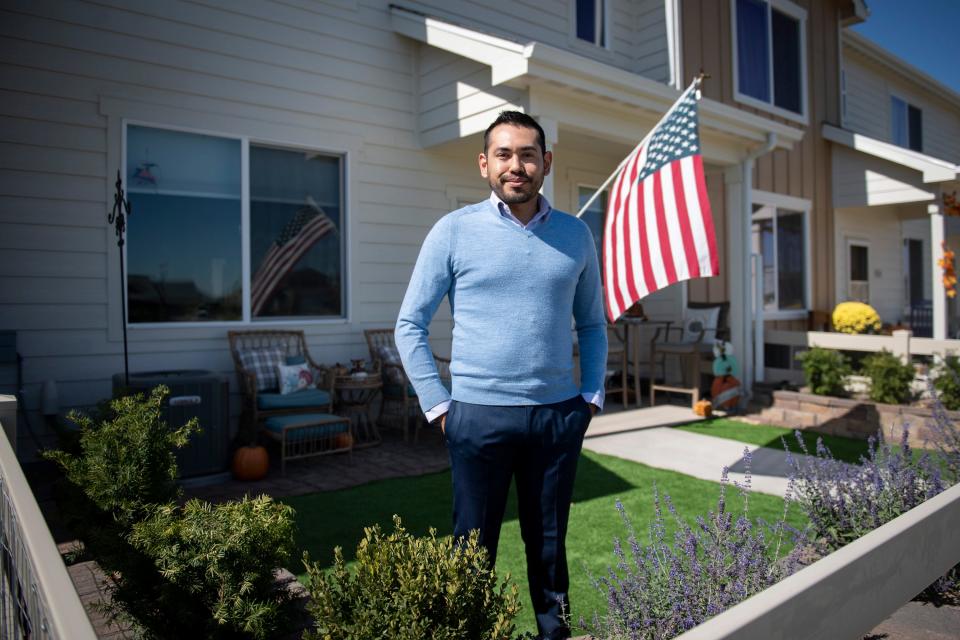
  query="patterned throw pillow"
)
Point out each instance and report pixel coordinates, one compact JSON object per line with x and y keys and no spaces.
{"x":263,"y":364}
{"x":294,"y":377}
{"x":317,"y":374}
{"x":389,"y":355}
{"x":700,"y":322}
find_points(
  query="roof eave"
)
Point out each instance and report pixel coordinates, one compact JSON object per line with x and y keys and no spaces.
{"x":933,"y":169}
{"x":526,"y":64}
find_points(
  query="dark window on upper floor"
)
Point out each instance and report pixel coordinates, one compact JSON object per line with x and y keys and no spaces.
{"x":591,"y":21}
{"x":906,"y":124}
{"x":769,"y":54}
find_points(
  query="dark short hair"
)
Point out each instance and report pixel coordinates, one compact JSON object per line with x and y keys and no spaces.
{"x":517,"y":119}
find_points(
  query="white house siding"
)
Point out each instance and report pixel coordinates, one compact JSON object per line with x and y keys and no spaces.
{"x":455,"y":94}
{"x":860,"y":179}
{"x":650,"y":40}
{"x":333,"y":76}
{"x":880,"y":229}
{"x":637,"y":40}
{"x":869,"y":86}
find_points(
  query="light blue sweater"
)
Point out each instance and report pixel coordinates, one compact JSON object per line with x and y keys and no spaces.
{"x":512,"y":293}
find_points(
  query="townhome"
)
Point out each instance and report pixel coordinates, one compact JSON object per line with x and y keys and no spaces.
{"x":227,"y":120}
{"x":896,"y":151}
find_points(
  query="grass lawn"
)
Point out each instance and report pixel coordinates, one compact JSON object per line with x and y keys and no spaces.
{"x":326,"y":520}
{"x":766,"y":435}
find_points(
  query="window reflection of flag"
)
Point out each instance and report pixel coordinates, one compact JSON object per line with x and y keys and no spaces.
{"x":298,"y":236}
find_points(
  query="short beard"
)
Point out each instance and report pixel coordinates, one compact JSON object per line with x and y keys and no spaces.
{"x":514,"y":198}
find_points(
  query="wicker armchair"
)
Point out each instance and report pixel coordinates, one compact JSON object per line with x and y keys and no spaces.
{"x":398,"y":393}
{"x":258,"y":405}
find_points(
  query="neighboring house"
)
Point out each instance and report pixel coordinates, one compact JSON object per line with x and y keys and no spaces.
{"x":224,"y":116}
{"x":895,"y":154}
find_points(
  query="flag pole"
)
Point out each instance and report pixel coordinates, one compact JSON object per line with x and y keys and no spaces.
{"x":596,"y":194}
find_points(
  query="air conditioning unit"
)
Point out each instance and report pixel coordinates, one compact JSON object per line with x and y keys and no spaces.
{"x":859,"y":290}
{"x":194,"y":393}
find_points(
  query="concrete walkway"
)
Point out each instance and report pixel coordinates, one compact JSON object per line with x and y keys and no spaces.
{"x":641,"y":435}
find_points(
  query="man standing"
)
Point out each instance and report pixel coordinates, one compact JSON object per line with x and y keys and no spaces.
{"x":515,"y":272}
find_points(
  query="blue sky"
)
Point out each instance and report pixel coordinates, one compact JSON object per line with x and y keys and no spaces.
{"x":922,"y":32}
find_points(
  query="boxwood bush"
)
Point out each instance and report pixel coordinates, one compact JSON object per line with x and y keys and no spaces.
{"x":889,"y":378}
{"x":409,"y":588}
{"x":947,"y":382}
{"x":825,"y":371}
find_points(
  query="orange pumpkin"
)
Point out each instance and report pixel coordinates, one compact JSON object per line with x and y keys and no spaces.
{"x":703,"y":408}
{"x":725,"y":391}
{"x":250,"y":463}
{"x":343,"y":440}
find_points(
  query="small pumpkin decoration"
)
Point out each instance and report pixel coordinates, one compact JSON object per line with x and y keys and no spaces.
{"x":343,"y":440}
{"x":250,"y":462}
{"x":703,"y":408}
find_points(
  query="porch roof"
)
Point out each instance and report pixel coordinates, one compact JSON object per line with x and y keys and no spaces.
{"x":933,"y":169}
{"x":597,"y":98}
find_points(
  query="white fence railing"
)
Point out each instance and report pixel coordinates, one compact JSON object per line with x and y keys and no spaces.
{"x":37,"y":598}
{"x":851,"y":591}
{"x":901,"y":343}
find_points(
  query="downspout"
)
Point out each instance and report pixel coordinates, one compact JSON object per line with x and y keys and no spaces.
{"x":750,"y":354}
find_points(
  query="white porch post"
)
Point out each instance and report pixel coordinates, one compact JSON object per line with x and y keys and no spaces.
{"x":550,"y":132}
{"x":737,"y":180}
{"x":937,"y":236}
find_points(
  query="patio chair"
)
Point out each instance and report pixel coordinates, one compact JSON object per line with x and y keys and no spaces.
{"x":691,"y":343}
{"x":616,"y":377}
{"x":256,"y":354}
{"x":398,"y":393}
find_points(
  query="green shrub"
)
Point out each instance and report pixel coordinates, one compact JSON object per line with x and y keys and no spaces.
{"x":889,"y":378}
{"x":126,"y":460}
{"x":410,"y":588}
{"x":947,"y":382}
{"x":825,"y":371}
{"x":200,"y":571}
{"x":222,"y":557}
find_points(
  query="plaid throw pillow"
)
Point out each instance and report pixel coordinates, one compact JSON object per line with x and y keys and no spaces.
{"x":263,"y":364}
{"x":389,"y":355}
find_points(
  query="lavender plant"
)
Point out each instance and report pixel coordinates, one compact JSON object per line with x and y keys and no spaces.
{"x":659,"y":590}
{"x":845,"y":501}
{"x":944,"y":434}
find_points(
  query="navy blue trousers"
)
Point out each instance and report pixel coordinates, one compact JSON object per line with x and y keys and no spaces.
{"x":539,"y":446}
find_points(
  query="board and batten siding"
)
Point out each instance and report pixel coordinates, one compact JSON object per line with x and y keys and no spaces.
{"x":869,"y":88}
{"x":326,"y":75}
{"x":805,"y":170}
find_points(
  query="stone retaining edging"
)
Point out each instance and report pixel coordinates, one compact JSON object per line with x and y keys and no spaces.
{"x":850,"y":418}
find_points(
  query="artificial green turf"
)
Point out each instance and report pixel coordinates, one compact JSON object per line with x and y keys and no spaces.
{"x":765,"y":435}
{"x":336,"y":518}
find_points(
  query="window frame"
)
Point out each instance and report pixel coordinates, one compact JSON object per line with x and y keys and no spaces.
{"x":603,"y":8}
{"x":798,"y":205}
{"x":906,"y":125}
{"x":850,"y":243}
{"x":800,"y":14}
{"x":246,"y":320}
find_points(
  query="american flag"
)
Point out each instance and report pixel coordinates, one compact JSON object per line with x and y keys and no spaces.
{"x":308,"y":225}
{"x":659,"y":229}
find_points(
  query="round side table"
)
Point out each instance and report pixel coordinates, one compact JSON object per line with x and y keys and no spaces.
{"x":354,"y":398}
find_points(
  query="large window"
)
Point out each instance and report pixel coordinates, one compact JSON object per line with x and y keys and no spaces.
{"x":906,"y":124}
{"x":779,"y":237}
{"x":590,"y":21}
{"x":770,"y":55}
{"x":197,"y":228}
